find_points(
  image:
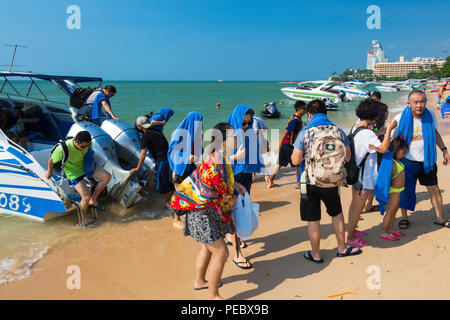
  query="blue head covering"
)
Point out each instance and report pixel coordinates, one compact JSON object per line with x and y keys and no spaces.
{"x":252,"y":161}
{"x":186,"y":136}
{"x":163,"y":114}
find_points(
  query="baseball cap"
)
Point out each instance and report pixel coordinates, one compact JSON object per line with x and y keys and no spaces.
{"x":143,"y":122}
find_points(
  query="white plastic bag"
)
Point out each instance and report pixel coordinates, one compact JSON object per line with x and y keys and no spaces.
{"x":245,"y":216}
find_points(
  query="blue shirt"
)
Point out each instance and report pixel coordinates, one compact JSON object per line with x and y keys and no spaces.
{"x":97,"y":106}
{"x":299,"y":143}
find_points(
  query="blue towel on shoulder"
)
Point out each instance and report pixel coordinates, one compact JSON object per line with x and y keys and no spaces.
{"x":406,"y":129}
{"x":88,"y":162}
{"x":319,"y":119}
{"x":383,"y":183}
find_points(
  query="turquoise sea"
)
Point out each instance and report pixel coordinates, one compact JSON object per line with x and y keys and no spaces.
{"x":23,"y":242}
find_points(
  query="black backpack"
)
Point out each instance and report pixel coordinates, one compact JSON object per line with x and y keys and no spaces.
{"x":351,"y":167}
{"x":60,"y":165}
{"x":80,"y":95}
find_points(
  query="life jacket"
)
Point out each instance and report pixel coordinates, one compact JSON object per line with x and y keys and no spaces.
{"x":291,"y":136}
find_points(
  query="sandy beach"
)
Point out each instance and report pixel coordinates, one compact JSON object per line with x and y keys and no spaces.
{"x":149,"y":259}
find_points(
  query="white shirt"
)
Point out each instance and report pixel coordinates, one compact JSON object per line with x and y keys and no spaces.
{"x":416,"y":148}
{"x":362,"y":140}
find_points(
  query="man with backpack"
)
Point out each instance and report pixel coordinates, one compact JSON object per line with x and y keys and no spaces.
{"x":96,"y":100}
{"x":71,"y":154}
{"x":365,"y":145}
{"x":325,"y":149}
{"x":285,"y":148}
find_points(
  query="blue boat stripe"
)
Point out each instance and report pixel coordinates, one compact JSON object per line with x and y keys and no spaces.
{"x":10,"y":161}
{"x":19,"y":155}
{"x":24,"y":187}
{"x":18,"y":172}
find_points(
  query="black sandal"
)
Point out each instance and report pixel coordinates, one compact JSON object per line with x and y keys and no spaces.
{"x":403,"y":224}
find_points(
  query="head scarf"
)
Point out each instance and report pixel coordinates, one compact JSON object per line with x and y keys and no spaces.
{"x":186,"y":140}
{"x":252,"y":161}
{"x":163,"y":114}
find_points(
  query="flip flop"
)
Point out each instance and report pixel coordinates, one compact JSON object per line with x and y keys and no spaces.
{"x":203,"y":288}
{"x":373,"y":209}
{"x":240,"y":262}
{"x":403,"y":224}
{"x":308,"y":256}
{"x":390,"y":237}
{"x":229,"y":243}
{"x":359,"y":234}
{"x":98,"y":207}
{"x":274,"y":186}
{"x":445,"y":224}
{"x":358,"y":242}
{"x":349,"y":252}
{"x":398,"y":233}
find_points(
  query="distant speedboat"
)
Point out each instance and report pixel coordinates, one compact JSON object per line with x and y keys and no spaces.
{"x":352,"y":90}
{"x":220,"y":80}
{"x":312,"y":90}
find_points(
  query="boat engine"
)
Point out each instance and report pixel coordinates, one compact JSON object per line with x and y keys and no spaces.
{"x":122,"y":186}
{"x":128,"y":149}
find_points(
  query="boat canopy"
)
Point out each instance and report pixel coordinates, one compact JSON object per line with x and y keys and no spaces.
{"x":47,"y":77}
{"x":67,"y":84}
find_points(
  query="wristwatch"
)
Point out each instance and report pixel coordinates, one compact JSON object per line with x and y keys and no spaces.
{"x":444,"y":148}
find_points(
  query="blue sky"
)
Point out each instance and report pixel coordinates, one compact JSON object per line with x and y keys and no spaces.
{"x":213,"y":39}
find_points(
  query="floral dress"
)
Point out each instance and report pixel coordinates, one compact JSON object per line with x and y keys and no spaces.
{"x":200,"y":197}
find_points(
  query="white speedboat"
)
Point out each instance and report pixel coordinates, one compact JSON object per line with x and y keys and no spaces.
{"x":311,"y":90}
{"x":352,"y":91}
{"x":24,"y":190}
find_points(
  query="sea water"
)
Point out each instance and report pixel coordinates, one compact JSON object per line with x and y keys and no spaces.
{"x":24,"y":242}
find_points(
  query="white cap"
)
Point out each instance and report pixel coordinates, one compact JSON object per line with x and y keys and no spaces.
{"x":143,"y":122}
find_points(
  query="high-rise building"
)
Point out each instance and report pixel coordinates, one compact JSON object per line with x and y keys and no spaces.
{"x":375,"y":55}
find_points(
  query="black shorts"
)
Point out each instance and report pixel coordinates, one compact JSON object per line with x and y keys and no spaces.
{"x":310,"y":208}
{"x":426,"y":179}
{"x":284,"y":157}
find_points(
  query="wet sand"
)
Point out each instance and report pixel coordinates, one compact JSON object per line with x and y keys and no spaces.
{"x":149,"y":259}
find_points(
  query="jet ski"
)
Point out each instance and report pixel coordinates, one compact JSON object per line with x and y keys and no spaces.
{"x":270,"y":111}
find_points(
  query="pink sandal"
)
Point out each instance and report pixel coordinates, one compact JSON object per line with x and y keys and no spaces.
{"x":398,"y":233}
{"x":358,"y":242}
{"x":390,"y":237}
{"x":359,"y":234}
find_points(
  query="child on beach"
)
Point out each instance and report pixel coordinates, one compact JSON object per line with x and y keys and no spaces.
{"x":390,"y":184}
{"x":366,"y":158}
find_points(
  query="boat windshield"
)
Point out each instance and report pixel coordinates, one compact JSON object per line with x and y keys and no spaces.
{"x":309,"y":85}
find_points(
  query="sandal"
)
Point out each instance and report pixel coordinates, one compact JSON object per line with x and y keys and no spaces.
{"x":349,"y":252}
{"x":241,"y":262}
{"x":390,"y":237}
{"x":445,"y":224}
{"x":359,"y":234}
{"x":398,"y":233}
{"x":308,"y":256}
{"x":403,"y":224}
{"x":229,"y":243}
{"x":358,"y":242}
{"x":373,"y":209}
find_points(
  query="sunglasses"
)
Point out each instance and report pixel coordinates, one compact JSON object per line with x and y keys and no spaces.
{"x":245,"y":123}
